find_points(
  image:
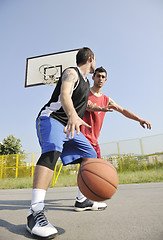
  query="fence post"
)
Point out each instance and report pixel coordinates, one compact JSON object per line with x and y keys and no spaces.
{"x":119,"y":156}
{"x":142,"y":152}
{"x":55,"y":179}
{"x":2,"y":167}
{"x":17,"y":165}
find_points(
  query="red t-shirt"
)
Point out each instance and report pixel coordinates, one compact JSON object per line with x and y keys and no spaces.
{"x":94,"y":119}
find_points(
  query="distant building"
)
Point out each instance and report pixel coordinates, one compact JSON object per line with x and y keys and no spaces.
{"x":112,"y":159}
{"x":152,"y":159}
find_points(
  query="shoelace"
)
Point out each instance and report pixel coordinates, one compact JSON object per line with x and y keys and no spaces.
{"x":40,"y":218}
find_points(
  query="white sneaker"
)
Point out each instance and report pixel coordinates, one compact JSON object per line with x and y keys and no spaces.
{"x":89,"y":205}
{"x":37,"y":223}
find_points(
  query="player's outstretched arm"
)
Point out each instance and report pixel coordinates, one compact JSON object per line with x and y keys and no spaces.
{"x":69,"y":79}
{"x":127,"y":113}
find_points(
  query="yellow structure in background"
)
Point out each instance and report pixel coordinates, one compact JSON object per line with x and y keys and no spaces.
{"x":147,"y":150}
{"x":55,"y":176}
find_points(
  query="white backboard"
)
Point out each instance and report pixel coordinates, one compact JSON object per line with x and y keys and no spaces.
{"x":60,"y":60}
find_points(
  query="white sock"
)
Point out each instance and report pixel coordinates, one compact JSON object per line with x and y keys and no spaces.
{"x":38,"y":196}
{"x":81,"y":197}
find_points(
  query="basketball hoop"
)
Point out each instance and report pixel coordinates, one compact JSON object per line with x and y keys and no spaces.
{"x":49,"y":74}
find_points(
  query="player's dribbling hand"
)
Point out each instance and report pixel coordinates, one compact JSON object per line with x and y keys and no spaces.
{"x":73,"y":124}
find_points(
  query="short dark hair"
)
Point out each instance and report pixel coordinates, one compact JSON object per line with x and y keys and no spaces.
{"x":83,"y":55}
{"x":100,"y":69}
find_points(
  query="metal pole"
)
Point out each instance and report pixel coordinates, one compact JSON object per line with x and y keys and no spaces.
{"x":17,"y":165}
{"x":142,"y":152}
{"x":119,"y":156}
{"x":2,"y":166}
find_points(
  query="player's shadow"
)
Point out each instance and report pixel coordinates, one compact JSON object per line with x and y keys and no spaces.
{"x":21,"y":229}
{"x":51,"y":205}
{"x":56,"y":205}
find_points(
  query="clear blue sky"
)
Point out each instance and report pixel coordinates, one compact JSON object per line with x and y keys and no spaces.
{"x":127,"y":38}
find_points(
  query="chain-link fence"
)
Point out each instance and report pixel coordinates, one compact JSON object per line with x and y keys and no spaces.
{"x":146,"y":150}
{"x":133,"y":154}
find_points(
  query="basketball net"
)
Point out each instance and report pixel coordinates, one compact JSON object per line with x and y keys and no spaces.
{"x":48,"y":73}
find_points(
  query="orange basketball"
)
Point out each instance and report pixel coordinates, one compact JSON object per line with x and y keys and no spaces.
{"x":97,"y":179}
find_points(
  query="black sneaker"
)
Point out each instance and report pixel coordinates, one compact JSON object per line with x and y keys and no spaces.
{"x":89,"y":205}
{"x":37,"y":223}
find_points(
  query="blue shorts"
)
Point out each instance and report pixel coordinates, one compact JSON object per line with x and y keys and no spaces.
{"x":51,"y":137}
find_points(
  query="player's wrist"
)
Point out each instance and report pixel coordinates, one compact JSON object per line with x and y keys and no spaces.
{"x":72,"y":114}
{"x":103,"y":109}
{"x":140,"y":120}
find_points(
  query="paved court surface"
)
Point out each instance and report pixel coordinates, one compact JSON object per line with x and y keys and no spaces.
{"x":134,"y":213}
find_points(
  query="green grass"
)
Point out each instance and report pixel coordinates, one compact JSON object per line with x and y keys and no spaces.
{"x":13,"y":183}
{"x":141,"y":176}
{"x":71,"y":180}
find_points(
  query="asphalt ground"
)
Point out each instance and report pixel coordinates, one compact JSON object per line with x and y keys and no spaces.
{"x":135,"y":212}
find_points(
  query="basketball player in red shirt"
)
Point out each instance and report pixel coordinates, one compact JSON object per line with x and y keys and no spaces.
{"x":98,"y":105}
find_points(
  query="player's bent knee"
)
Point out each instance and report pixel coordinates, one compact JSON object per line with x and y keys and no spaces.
{"x":49,"y":159}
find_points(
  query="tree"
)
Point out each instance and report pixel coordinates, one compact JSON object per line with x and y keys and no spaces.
{"x":10,"y":145}
{"x":13,"y":157}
